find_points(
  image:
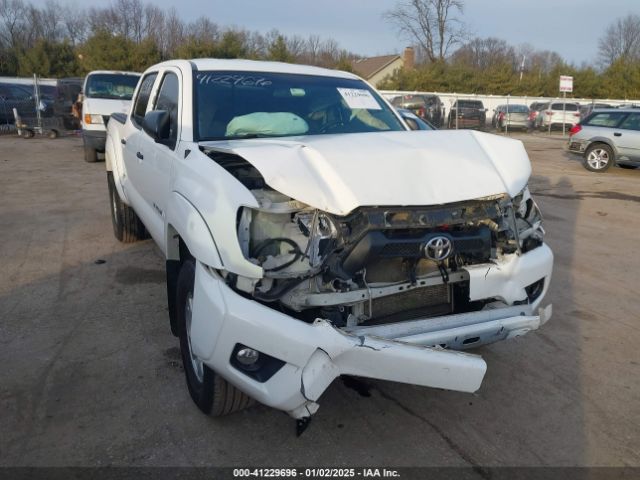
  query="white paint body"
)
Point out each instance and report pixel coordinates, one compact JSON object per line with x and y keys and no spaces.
{"x":182,"y":192}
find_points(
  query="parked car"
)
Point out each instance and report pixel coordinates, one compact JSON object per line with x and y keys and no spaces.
{"x":534,"y":110}
{"x":512,"y":116}
{"x":56,"y":96}
{"x":585,"y":110}
{"x":469,"y":113}
{"x":15,"y":96}
{"x":606,"y":138}
{"x":104,"y":93}
{"x":309,"y":234}
{"x":427,"y":107}
{"x":554,"y":114}
{"x":414,"y":121}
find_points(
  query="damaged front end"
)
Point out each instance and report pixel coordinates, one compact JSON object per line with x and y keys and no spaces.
{"x":380,"y":264}
{"x":382,"y":291}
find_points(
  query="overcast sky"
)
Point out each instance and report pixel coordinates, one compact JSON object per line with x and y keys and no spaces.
{"x":569,"y":27}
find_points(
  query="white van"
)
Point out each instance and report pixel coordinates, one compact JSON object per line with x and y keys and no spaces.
{"x":105,"y":92}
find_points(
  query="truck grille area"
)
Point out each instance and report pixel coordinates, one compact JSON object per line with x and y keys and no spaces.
{"x":415,"y":303}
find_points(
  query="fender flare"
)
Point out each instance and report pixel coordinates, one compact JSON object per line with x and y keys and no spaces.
{"x":184,"y":220}
{"x":606,"y":141}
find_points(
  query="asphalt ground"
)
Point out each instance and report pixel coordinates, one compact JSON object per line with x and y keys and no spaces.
{"x":91,"y":375}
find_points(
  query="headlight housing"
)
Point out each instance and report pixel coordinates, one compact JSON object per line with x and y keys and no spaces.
{"x":93,"y":119}
{"x":528,"y":220}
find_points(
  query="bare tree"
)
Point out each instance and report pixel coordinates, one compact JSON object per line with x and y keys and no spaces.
{"x":12,"y":20}
{"x":154,"y":23}
{"x":430,"y":23}
{"x":74,"y":23}
{"x":173,"y":32}
{"x":621,"y":40}
{"x":485,"y":53}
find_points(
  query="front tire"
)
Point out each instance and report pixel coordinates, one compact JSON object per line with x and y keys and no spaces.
{"x":598,"y":158}
{"x":127,"y":227}
{"x":212,"y":394}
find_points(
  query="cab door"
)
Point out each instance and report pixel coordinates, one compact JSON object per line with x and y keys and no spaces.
{"x":134,"y":175}
{"x":158,"y":157}
{"x":627,"y":137}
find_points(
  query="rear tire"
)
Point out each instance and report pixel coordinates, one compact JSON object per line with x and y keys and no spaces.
{"x":127,"y":227}
{"x":90,"y":155}
{"x":598,"y":158}
{"x":212,"y":394}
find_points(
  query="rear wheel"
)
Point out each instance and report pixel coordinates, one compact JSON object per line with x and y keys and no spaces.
{"x":598,"y":158}
{"x":127,"y":227}
{"x":209,"y":391}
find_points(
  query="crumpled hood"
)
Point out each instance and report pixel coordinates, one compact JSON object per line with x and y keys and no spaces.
{"x":338,"y":173}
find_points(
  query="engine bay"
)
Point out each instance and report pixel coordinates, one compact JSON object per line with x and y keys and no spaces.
{"x":377,"y":264}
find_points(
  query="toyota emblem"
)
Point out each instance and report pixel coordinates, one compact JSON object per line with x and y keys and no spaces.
{"x":438,"y":248}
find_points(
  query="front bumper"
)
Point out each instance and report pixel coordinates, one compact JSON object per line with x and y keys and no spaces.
{"x":95,"y":139}
{"x":408,"y":352}
{"x":576,"y":146}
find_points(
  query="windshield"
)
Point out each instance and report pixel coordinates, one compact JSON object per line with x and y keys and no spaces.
{"x":111,"y":85}
{"x":256,"y":104}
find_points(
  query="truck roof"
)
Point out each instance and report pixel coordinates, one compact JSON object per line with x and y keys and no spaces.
{"x":257,"y":66}
{"x":117,"y":72}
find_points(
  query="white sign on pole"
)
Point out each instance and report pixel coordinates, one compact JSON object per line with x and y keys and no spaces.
{"x":566,"y":83}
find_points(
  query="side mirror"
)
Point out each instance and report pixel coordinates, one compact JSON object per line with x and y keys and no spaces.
{"x":156,"y":124}
{"x":409,"y":120}
{"x":413,"y":125}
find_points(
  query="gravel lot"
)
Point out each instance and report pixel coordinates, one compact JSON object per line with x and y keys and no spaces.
{"x":91,"y":374}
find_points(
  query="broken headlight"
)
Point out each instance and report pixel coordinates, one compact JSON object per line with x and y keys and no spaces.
{"x":288,"y":239}
{"x":528,"y":221}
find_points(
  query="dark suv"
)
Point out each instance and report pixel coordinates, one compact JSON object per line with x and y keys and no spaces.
{"x":427,"y":107}
{"x":469,"y":113}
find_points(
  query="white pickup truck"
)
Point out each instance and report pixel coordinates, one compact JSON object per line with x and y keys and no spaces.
{"x":309,"y":234}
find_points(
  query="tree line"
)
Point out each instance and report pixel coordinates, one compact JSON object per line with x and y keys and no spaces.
{"x":58,"y":40}
{"x":453,"y":62}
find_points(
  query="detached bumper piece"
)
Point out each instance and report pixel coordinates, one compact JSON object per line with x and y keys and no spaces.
{"x":465,"y":330}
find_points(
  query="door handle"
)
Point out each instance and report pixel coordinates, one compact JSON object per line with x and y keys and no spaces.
{"x":139,"y":155}
{"x":123,"y":141}
{"x":617,"y":134}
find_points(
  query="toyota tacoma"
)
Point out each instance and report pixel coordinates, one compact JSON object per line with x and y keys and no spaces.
{"x":309,"y":234}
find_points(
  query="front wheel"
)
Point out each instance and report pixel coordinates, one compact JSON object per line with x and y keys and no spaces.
{"x":598,"y":158}
{"x":211,"y":393}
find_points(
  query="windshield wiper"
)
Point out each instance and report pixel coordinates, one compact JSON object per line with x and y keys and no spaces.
{"x":245,"y":136}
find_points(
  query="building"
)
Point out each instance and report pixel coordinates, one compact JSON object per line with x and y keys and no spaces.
{"x":377,"y":69}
